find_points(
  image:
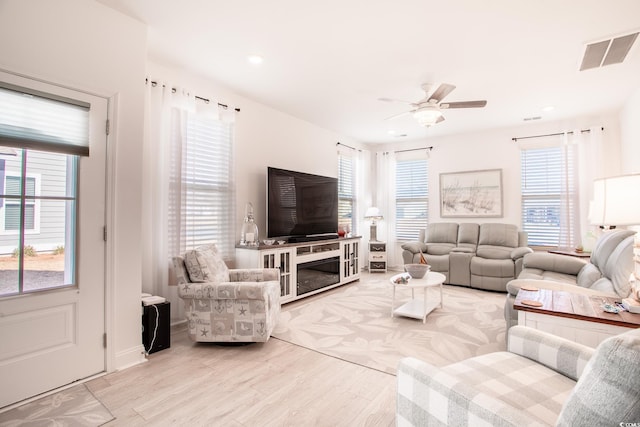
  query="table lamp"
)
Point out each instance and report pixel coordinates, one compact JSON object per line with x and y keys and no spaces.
{"x":373,"y":214}
{"x":616,"y":201}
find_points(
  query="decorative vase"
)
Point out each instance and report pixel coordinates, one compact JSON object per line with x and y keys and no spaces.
{"x":249,"y":233}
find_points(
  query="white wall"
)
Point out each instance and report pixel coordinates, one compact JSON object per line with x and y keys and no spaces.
{"x":630,"y":134}
{"x":495,"y":149}
{"x":263,"y":137}
{"x":88,"y":47}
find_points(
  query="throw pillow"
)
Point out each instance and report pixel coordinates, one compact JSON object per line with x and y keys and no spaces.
{"x":607,"y":391}
{"x":204,"y":264}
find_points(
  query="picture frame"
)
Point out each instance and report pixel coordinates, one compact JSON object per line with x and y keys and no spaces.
{"x":471,"y":194}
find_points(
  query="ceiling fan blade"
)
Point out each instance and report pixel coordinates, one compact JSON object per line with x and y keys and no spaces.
{"x":395,"y":116}
{"x":464,"y":104}
{"x":443,"y":90}
{"x":394,"y":100}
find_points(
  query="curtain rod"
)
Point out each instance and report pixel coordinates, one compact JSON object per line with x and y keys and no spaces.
{"x":414,"y":149}
{"x":206,"y":100}
{"x":348,"y":146}
{"x":551,"y":134}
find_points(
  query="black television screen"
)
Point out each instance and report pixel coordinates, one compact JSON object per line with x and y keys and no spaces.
{"x":300,"y":204}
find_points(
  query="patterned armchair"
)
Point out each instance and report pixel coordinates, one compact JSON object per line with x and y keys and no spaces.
{"x":541,"y":379}
{"x":223,"y":305}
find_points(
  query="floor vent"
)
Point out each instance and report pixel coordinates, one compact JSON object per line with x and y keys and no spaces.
{"x":607,"y":52}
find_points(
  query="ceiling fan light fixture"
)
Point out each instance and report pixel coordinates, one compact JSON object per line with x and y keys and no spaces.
{"x":427,"y":116}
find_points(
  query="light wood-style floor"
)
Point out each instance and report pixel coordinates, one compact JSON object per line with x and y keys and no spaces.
{"x":266,"y":384}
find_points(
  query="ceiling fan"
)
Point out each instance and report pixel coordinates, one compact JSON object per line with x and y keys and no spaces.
{"x":428,"y":111}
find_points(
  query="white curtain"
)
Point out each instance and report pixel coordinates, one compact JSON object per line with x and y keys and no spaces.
{"x":569,"y":195}
{"x":159,"y":146}
{"x":592,"y":165}
{"x":386,"y":201}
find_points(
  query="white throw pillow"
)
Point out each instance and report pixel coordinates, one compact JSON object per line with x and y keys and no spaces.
{"x":204,"y":264}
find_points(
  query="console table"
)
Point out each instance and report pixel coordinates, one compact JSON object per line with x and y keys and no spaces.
{"x":306,"y":268}
{"x":577,"y":317}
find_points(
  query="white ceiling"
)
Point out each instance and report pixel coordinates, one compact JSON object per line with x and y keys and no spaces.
{"x":329,"y":61}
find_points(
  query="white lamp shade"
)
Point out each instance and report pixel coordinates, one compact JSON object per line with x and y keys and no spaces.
{"x":616,"y":201}
{"x":373,"y":213}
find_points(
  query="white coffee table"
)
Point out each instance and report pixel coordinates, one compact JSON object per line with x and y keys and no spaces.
{"x":418,"y":308}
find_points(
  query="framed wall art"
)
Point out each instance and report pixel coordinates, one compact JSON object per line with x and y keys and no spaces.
{"x":471,"y":194}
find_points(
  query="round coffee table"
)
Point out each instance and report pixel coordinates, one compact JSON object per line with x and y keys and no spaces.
{"x":417,"y":308}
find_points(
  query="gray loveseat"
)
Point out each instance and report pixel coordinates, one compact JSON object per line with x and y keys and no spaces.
{"x":484,"y":256}
{"x":607,"y":272}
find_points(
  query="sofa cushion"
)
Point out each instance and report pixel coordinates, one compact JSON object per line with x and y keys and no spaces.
{"x":537,"y":274}
{"x":520,"y":382}
{"x":204,"y":264}
{"x":442,"y":232}
{"x":607,"y":391}
{"x":619,"y":267}
{"x":605,"y":246}
{"x":439,"y":248}
{"x":498,"y":235}
{"x":588,"y":275}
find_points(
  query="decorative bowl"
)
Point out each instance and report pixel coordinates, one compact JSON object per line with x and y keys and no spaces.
{"x":417,"y":271}
{"x":282,"y":242}
{"x":269,"y":242}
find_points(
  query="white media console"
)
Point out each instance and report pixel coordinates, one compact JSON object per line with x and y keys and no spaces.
{"x":306,"y":268}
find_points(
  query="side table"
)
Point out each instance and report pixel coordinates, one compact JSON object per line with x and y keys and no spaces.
{"x":417,"y":308}
{"x":573,"y":316}
{"x":377,"y":257}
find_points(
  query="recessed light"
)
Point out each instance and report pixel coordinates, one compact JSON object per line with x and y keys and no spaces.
{"x":548,"y":108}
{"x":255,"y":59}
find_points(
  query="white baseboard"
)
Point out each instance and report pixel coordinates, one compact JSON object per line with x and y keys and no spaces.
{"x":130,"y":357}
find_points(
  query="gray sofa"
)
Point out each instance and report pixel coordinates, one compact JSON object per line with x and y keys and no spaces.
{"x":484,"y":256}
{"x":607,"y":272}
{"x":541,"y":379}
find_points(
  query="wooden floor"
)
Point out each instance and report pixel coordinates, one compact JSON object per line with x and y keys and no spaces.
{"x":266,"y":384}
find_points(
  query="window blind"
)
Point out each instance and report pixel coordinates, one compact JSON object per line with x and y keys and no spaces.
{"x":207,"y":206}
{"x":547,"y":185}
{"x":412,"y":198}
{"x":30,"y":120}
{"x":346,"y":190}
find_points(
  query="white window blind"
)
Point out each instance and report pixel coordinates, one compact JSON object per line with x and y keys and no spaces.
{"x":548,"y":195}
{"x":32,"y":120}
{"x":412,"y":198}
{"x":205,"y":204}
{"x":346,"y":191}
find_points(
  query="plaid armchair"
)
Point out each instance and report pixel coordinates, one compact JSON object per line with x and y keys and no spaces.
{"x":541,"y":380}
{"x":223,"y":305}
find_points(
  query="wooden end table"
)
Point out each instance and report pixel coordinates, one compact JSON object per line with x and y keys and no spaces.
{"x":577,"y":317}
{"x":418,"y":308}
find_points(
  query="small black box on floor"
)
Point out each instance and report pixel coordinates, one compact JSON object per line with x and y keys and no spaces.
{"x":156,"y":326}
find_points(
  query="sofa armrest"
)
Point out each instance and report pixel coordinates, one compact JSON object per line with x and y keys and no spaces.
{"x":554,"y":262}
{"x":414,"y":247}
{"x":229,"y":290}
{"x":253,"y":274}
{"x":563,"y":356}
{"x":520,"y":252}
{"x":426,"y":395}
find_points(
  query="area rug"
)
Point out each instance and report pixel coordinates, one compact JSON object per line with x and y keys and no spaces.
{"x":75,"y":406}
{"x":354,"y":323}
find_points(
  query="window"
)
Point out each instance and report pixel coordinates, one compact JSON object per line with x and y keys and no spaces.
{"x":412,"y":198}
{"x":41,"y":138}
{"x":548,"y":195}
{"x":201,"y":194}
{"x":346,"y":191}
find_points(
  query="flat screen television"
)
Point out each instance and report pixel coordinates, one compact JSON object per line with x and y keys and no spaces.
{"x":301,"y":205}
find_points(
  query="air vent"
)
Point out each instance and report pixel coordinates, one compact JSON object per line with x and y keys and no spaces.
{"x":607,"y":52}
{"x":528,"y":119}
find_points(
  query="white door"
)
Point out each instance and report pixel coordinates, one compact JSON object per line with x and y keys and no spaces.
{"x":52,"y":298}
